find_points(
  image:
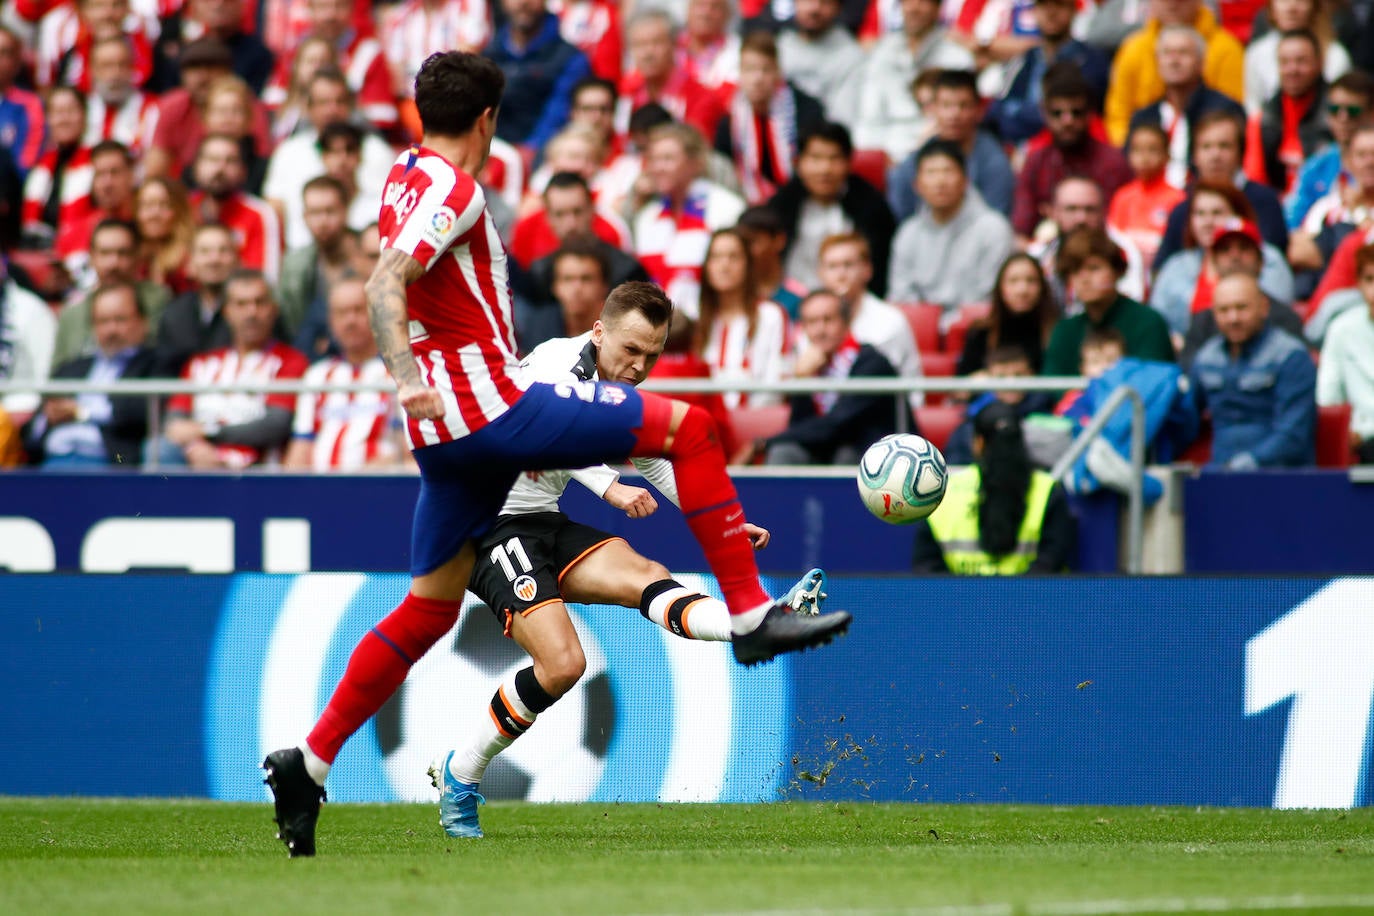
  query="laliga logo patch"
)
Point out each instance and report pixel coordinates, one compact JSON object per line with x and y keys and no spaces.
{"x":440,"y":225}
{"x":524,"y":588}
{"x":609,"y":394}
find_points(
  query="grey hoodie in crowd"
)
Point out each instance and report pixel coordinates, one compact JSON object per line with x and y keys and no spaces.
{"x":951,"y":264}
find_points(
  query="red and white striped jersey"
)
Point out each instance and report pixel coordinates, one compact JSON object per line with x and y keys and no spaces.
{"x":255,"y":225}
{"x":132,"y":123}
{"x":286,"y":22}
{"x":347,"y":430}
{"x":462,"y":330}
{"x":76,"y":189}
{"x":672,"y":244}
{"x":593,"y":27}
{"x":412,"y":33}
{"x":274,"y":362}
{"x":61,"y":33}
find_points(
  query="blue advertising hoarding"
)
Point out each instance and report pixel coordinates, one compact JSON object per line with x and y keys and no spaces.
{"x":1220,"y":691}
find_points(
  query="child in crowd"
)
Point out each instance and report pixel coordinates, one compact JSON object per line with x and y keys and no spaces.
{"x":1102,"y":349}
{"x":1140,"y":209}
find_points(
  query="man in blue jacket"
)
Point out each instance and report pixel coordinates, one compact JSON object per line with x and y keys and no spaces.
{"x":1257,"y":381}
{"x":541,"y":70}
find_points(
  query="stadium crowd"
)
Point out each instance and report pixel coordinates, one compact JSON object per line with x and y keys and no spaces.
{"x":190,"y":189}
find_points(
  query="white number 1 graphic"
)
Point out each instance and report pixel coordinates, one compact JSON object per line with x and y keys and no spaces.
{"x":502,"y":553}
{"x":1321,"y":654}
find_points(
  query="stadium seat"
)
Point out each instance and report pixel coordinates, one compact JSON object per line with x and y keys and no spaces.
{"x":871,"y":166}
{"x":1333,"y":436}
{"x":924,"y":319}
{"x":957,"y":331}
{"x":938,"y":365}
{"x":751,"y":424}
{"x":1200,"y":452}
{"x":937,"y":423}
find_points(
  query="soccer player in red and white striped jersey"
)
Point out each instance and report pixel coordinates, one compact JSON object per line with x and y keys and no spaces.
{"x":441,"y":311}
{"x":344,"y":430}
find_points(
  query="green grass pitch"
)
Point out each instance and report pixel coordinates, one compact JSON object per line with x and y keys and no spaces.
{"x":102,"y":856}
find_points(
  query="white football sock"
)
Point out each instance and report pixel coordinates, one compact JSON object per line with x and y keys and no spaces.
{"x":491,"y":737}
{"x":690,"y":614}
{"x":749,"y":621}
{"x":314,"y":764}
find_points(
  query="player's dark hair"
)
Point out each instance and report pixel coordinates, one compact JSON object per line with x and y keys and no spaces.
{"x":938,"y":146}
{"x":115,"y":286}
{"x":647,"y":299}
{"x":583,"y":245}
{"x":562,"y":181}
{"x":827,"y":132}
{"x":452,"y":90}
{"x":1005,"y":469}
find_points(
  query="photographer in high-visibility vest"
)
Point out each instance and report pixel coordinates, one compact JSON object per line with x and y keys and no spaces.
{"x":1002,"y":516}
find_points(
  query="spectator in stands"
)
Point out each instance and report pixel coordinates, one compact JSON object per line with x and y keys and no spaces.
{"x":707,"y":48}
{"x":112,"y":197}
{"x":957,"y":112}
{"x":541,"y":70}
{"x":235,"y":429}
{"x":220,"y":198}
{"x":1017,"y":115}
{"x":1349,"y":105}
{"x":578,"y":148}
{"x":193,"y":322}
{"x":741,"y":337}
{"x":941,"y":254}
{"x":229,"y":110}
{"x":113,"y":259}
{"x":1346,"y":372}
{"x":594,"y":28}
{"x":821,"y":58}
{"x":116,"y":109}
{"x":579,"y":285}
{"x":286,"y":23}
{"x":1072,"y":150}
{"x":162,"y":214}
{"x":344,"y":430}
{"x":341,"y":151}
{"x":823,"y":198}
{"x":569,"y":212}
{"x":574,"y":156}
{"x":1257,"y":382}
{"x":1179,"y":52}
{"x":1345,"y":208}
{"x":1218,"y":153}
{"x":1090,"y":265}
{"x":297,"y":159}
{"x":654,"y":76}
{"x":671,"y":233}
{"x":888,"y":117}
{"x":1136,"y":81}
{"x":679,"y":360}
{"x":219,"y":19}
{"x":181,"y":118}
{"x":1140,"y":208}
{"x":1262,"y":76}
{"x":96,"y":429}
{"x":1185,"y":282}
{"x":313,"y":55}
{"x":593,"y":105}
{"x":1005,"y":361}
{"x":1023,"y":315}
{"x":27,"y":334}
{"x":63,"y":52}
{"x":1235,"y":249}
{"x":21,"y":111}
{"x":368,"y":250}
{"x":1002,"y":516}
{"x":846,"y":268}
{"x":1291,"y":125}
{"x":828,"y":427}
{"x":58,"y":188}
{"x":415,"y":29}
{"x":767,"y":241}
{"x":763,"y":119}
{"x":309,"y":274}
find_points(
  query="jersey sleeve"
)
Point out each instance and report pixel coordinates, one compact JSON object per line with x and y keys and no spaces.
{"x":659,"y":472}
{"x":447,"y":207}
{"x":598,"y":478}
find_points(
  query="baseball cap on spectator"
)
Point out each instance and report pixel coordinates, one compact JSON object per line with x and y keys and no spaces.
{"x":207,"y":52}
{"x":1241,"y":227}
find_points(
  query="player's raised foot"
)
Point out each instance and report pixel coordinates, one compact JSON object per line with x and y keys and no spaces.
{"x":458,"y":801}
{"x":807,"y":595}
{"x":781,"y":631}
{"x":297,"y":797}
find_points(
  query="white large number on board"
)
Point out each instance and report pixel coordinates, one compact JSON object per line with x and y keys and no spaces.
{"x":1321,"y":654}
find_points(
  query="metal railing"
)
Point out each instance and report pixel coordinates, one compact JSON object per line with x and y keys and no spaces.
{"x":154,"y":390}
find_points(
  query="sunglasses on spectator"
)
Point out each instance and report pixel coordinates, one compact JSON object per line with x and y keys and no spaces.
{"x":1056,"y":112}
{"x":1350,"y":111}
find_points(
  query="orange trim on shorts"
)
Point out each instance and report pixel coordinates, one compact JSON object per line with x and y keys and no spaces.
{"x":505,"y":630}
{"x":687,"y":631}
{"x":505,"y":701}
{"x":583,"y":555}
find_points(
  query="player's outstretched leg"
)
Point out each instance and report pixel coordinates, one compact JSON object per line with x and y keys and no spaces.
{"x":762,"y":628}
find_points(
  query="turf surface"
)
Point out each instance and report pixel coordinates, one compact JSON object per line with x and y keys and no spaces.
{"x":95,"y":855}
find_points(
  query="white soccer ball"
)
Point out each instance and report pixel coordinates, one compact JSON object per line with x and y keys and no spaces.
{"x":902,"y":478}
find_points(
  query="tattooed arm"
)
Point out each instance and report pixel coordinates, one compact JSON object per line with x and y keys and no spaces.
{"x":386,"y":306}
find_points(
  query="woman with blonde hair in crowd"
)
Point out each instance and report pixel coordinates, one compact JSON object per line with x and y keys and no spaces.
{"x":162,"y":212}
{"x":288,"y":112}
{"x":741,"y":337}
{"x":1262,"y":54}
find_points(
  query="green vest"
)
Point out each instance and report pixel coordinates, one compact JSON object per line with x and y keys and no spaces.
{"x":955,"y":526}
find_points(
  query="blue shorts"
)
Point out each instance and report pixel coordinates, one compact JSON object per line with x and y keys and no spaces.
{"x":464,"y":483}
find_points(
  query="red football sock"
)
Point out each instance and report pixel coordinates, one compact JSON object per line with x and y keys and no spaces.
{"x":377,"y":667}
{"x":708,"y":497}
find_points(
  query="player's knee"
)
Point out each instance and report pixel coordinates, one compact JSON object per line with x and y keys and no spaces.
{"x":653,"y":571}
{"x":562,"y":669}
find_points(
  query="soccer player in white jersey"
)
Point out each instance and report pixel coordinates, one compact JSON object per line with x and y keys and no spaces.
{"x":536,"y":558}
{"x":441,"y":312}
